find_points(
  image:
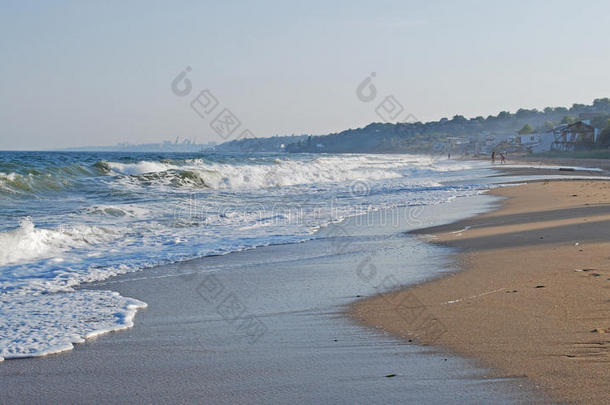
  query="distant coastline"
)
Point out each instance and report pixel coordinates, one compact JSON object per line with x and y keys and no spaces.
{"x":179,"y":145}
{"x":525,"y":131}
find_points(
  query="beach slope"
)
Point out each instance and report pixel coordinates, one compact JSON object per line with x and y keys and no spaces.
{"x":534,"y":297}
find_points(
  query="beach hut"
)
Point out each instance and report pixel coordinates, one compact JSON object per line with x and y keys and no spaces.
{"x":580,"y":135}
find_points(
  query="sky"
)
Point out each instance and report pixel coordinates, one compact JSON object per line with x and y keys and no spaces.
{"x":78,"y":73}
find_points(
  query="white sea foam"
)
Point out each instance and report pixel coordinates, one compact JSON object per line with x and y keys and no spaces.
{"x":140,"y":167}
{"x":27,"y":243}
{"x":36,"y":325}
{"x":123,"y":210}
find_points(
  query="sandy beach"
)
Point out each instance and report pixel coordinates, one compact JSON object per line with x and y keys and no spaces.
{"x":532,"y":298}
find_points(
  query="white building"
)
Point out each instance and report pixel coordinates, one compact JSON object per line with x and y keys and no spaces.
{"x":539,"y":142}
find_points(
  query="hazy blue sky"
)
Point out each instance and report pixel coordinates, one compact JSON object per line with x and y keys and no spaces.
{"x":96,"y":73}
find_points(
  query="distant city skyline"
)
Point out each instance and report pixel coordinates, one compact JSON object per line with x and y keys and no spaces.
{"x":80,"y":74}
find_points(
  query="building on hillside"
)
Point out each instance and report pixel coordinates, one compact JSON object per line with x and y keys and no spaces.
{"x":456,"y":144}
{"x":580,"y":135}
{"x":538,"y":142}
{"x":491,"y":141}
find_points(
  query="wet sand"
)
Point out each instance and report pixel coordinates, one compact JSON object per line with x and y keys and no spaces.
{"x":533,"y":298}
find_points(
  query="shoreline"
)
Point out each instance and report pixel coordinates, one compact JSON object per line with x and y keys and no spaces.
{"x":266,"y":325}
{"x":531,"y":298}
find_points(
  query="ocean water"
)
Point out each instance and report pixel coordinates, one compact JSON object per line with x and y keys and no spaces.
{"x":71,"y":218}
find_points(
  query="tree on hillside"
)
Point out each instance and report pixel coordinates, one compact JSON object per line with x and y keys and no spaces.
{"x":459,"y":119}
{"x":561,"y":110}
{"x":601,"y":104}
{"x":503,"y":115}
{"x":568,"y":120}
{"x":601,"y":121}
{"x":525,"y":113}
{"x":546,"y":127}
{"x":577,"y":107}
{"x":527,"y":129}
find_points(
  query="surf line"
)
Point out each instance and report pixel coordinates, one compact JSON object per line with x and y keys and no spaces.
{"x":462,"y":230}
{"x":473,"y":296}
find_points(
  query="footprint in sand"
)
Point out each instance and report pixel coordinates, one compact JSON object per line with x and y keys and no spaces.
{"x":597,"y":351}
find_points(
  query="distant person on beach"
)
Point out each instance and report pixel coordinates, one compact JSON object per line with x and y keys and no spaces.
{"x":448,"y":156}
{"x":493,"y":157}
{"x":502,"y":158}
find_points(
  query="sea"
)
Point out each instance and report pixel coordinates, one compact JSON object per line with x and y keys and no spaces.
{"x":68,"y":219}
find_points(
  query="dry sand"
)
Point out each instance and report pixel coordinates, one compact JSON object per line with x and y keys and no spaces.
{"x":534,"y":296}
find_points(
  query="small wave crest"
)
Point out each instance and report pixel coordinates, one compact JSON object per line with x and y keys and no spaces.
{"x":126,"y":210}
{"x":17,"y":183}
{"x":38,"y":181}
{"x":27,"y":242}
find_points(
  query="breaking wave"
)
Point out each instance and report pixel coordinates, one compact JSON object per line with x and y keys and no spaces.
{"x":272,"y":173}
{"x":27,"y":243}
